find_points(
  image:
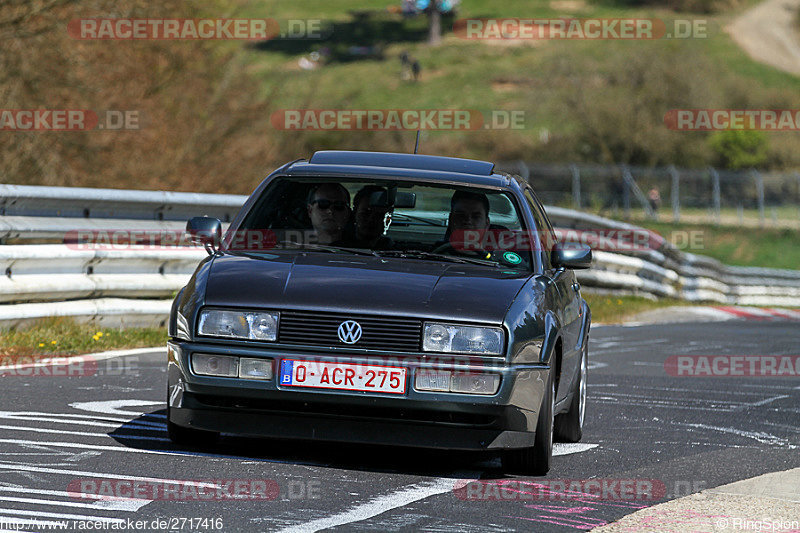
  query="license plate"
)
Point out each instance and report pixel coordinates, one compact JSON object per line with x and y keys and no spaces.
{"x":343,"y":376}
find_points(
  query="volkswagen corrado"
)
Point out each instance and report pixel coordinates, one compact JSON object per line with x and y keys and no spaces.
{"x":381,"y":298}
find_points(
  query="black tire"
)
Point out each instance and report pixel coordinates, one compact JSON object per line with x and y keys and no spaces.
{"x":536,"y":460}
{"x":184,"y":436}
{"x":569,"y":425}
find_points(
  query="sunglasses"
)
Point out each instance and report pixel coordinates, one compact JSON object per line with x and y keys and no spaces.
{"x":324,"y":204}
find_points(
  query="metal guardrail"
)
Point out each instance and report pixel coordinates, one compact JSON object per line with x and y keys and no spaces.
{"x":134,"y":285}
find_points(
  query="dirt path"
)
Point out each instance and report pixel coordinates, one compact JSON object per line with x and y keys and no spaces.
{"x":769,"y":34}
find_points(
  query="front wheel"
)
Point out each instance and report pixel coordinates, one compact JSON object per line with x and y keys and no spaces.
{"x":569,"y":426}
{"x":536,"y":460}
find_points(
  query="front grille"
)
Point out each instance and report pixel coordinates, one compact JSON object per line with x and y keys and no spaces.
{"x":378,"y":332}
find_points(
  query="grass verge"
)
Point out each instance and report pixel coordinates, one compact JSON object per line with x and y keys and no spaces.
{"x":734,"y":245}
{"x":64,"y":336}
{"x":611,"y":309}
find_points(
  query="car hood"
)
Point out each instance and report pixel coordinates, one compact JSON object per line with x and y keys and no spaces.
{"x":364,"y":285}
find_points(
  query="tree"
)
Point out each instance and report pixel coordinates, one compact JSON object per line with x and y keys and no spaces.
{"x":434,"y":10}
{"x":738,"y":149}
{"x":434,"y":22}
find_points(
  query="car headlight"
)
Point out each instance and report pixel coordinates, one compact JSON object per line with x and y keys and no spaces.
{"x":449,"y":338}
{"x":250,"y":325}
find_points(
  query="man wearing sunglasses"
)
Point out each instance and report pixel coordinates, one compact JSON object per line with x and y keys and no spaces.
{"x":329,"y":211}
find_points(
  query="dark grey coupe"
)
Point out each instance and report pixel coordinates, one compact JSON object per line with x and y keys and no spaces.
{"x":387,"y":299}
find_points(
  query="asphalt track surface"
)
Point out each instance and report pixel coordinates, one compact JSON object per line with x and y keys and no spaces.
{"x":683,"y":434}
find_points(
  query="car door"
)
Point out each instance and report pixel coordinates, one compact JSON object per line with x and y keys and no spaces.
{"x":568,"y":289}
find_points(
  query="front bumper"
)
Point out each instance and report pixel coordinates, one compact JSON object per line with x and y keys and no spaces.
{"x":506,"y":419}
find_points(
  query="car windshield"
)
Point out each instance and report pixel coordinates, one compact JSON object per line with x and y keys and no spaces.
{"x":417,"y":220}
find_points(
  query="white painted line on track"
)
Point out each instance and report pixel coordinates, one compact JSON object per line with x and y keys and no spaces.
{"x":769,"y":400}
{"x":64,"y":493}
{"x":83,"y":433}
{"x":61,"y":471}
{"x":123,"y":449}
{"x":78,"y":416}
{"x":108,"y":505}
{"x":407,"y":495}
{"x":381,"y":504}
{"x":568,"y":448}
{"x":112,"y":407}
{"x":127,"y":505}
{"x":148,"y":426}
{"x":91,"y":446}
{"x":760,"y":436}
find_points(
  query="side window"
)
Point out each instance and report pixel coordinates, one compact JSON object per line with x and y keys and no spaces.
{"x":546,"y":236}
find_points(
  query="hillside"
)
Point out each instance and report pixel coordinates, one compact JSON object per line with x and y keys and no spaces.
{"x":206,"y":106}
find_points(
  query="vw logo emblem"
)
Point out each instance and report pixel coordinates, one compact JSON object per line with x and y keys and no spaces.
{"x":349,"y":332}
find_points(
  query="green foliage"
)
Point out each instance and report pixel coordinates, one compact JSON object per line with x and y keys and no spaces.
{"x":737,"y":149}
{"x":206,"y":106}
{"x":64,"y":336}
{"x":736,"y":245}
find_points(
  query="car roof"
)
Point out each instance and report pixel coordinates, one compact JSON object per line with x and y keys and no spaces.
{"x":405,"y":166}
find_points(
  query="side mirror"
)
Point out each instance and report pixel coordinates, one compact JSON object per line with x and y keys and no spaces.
{"x":206,"y":231}
{"x":571,"y":256}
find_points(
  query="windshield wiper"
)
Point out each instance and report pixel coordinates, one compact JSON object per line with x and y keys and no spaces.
{"x":420,"y":254}
{"x":331,"y":249}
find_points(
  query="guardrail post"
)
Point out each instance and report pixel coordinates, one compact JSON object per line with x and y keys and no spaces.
{"x":797,"y":177}
{"x":632,"y":186}
{"x":760,"y":192}
{"x":576,"y":186}
{"x":675,"y":194}
{"x":626,"y":199}
{"x":715,"y":193}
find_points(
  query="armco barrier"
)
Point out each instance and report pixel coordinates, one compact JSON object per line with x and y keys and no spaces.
{"x":44,"y":277}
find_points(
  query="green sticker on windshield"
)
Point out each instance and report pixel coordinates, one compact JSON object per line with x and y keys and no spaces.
{"x":512,"y":258}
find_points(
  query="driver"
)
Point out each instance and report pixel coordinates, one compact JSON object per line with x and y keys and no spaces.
{"x":469,"y":213}
{"x":329,"y":210}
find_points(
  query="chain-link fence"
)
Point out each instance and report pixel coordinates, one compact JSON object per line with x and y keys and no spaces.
{"x":753,"y":198}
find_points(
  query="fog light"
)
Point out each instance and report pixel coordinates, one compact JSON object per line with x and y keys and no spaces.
{"x":215,"y":365}
{"x":432,"y":380}
{"x":255,"y":368}
{"x":461,"y":382}
{"x":473,"y":383}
